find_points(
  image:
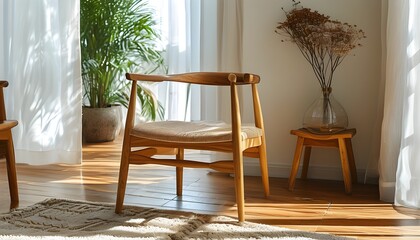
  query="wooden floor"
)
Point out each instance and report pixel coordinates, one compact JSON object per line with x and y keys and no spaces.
{"x":315,"y":205}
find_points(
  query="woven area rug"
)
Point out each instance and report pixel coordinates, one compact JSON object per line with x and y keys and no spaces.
{"x":65,"y":219}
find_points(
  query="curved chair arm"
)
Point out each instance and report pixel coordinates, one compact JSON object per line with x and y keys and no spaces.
{"x":205,"y":78}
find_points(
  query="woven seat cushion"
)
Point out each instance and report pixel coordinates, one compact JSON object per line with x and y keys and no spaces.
{"x":191,"y":132}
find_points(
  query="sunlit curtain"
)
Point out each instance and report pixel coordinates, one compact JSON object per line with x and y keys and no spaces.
{"x":399,"y":165}
{"x":230,"y":48}
{"x":199,"y":36}
{"x":179,"y":23}
{"x":40,"y":58}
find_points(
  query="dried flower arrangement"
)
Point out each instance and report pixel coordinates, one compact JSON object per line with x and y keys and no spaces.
{"x":323,"y":42}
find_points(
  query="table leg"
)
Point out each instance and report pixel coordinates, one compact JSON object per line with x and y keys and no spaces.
{"x":306,"y":157}
{"x":296,"y":160}
{"x":345,"y":164}
{"x":352,"y":164}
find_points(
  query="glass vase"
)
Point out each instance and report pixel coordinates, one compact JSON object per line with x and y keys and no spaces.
{"x":325,"y":115}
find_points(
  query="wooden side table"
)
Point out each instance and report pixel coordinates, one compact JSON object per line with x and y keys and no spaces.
{"x":340,"y":140}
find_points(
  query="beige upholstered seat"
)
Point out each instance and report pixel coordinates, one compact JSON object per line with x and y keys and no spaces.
{"x":145,"y":140}
{"x":192,"y":132}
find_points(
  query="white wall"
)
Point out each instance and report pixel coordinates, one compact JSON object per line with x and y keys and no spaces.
{"x":289,"y":86}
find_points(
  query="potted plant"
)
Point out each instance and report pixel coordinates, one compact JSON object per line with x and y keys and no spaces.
{"x":324,"y":43}
{"x":116,"y":36}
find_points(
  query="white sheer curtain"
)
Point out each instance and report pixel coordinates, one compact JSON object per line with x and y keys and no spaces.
{"x":399,"y":164}
{"x":180,"y":29}
{"x":39,"y":46}
{"x":230,"y":48}
{"x":199,"y":36}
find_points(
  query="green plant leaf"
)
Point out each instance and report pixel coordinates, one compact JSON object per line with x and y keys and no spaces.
{"x":118,"y":36}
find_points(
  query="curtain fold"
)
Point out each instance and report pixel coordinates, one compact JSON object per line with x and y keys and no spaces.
{"x":407,"y":188}
{"x":230,"y":35}
{"x":41,"y":61}
{"x":399,"y":163}
{"x":180,"y":30}
{"x":199,"y":36}
{"x":230,"y":48}
{"x":396,"y":40}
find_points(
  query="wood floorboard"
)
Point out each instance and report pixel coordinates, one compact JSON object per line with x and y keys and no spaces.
{"x":314,"y":205}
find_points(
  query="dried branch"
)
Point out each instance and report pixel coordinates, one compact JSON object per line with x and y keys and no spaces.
{"x":323,"y":42}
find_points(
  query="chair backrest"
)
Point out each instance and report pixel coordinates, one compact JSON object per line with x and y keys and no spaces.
{"x":3,"y":84}
{"x":205,"y":78}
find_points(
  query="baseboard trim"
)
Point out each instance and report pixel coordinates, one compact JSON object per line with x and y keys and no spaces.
{"x":252,"y":168}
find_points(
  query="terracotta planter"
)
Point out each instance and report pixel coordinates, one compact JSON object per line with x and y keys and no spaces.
{"x":101,"y":124}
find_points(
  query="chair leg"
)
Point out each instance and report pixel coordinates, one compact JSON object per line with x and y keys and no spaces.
{"x":239,"y":184}
{"x":11,"y":174}
{"x":179,"y":172}
{"x":264,"y":169}
{"x":122,"y":179}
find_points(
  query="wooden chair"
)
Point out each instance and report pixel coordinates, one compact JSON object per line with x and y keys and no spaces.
{"x":7,"y":149}
{"x":173,"y":137}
